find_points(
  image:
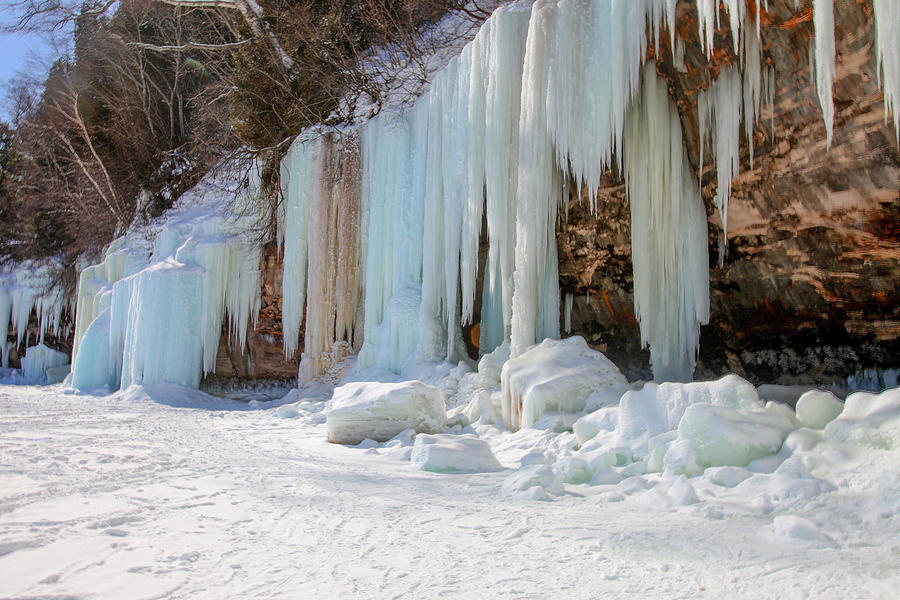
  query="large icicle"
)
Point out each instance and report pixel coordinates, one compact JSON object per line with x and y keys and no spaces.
{"x":668,"y":233}
{"x":887,"y":22}
{"x":823,"y":18}
{"x":333,"y":284}
{"x":393,"y":182}
{"x":509,"y":31}
{"x":296,"y":186}
{"x":719,"y":109}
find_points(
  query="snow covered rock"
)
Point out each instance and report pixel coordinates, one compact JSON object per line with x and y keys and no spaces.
{"x":817,"y":408}
{"x":379,"y":411}
{"x":554,"y":376}
{"x":447,"y":453}
{"x":38,"y":359}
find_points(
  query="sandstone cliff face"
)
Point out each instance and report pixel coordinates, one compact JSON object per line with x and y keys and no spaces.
{"x":811,"y":282}
{"x":810,"y":288}
{"x":263,"y":358}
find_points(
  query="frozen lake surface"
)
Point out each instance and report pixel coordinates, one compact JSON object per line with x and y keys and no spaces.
{"x":181,"y":496}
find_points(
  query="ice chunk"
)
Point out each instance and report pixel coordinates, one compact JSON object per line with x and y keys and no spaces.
{"x":38,"y":359}
{"x":537,"y":481}
{"x":817,"y":408}
{"x":722,"y":436}
{"x":447,"y":453}
{"x":554,"y":376}
{"x":380,"y":411}
{"x":658,"y":408}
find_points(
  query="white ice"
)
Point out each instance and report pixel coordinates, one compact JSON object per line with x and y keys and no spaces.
{"x":379,"y":411}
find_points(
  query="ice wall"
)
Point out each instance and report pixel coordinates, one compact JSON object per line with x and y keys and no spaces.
{"x":159,"y":299}
{"x":26,"y":289}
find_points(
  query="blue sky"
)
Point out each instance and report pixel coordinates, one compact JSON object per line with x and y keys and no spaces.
{"x":22,"y":52}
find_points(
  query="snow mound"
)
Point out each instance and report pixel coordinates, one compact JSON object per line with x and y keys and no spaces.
{"x":447,"y":453}
{"x":869,"y":419}
{"x":792,"y":529}
{"x":818,"y":408}
{"x":38,"y":359}
{"x":379,"y":411}
{"x":554,"y":376}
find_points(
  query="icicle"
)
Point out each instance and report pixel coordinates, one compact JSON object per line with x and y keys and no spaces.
{"x":720,"y":120}
{"x":504,"y":90}
{"x":475,"y":55}
{"x":887,"y":23}
{"x":296,"y":182}
{"x":567,"y":312}
{"x":752,"y":85}
{"x":668,"y":233}
{"x":393,"y":184}
{"x":539,"y":182}
{"x":823,"y":18}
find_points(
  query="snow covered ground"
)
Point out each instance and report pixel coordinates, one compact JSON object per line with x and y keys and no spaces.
{"x":165,"y":492}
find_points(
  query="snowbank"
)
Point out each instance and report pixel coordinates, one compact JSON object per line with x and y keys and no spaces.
{"x":379,"y":411}
{"x":555,"y":376}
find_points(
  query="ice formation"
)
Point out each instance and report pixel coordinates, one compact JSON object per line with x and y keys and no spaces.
{"x":555,"y":375}
{"x":719,"y":110}
{"x":296,"y":187}
{"x":38,"y":360}
{"x":823,"y":18}
{"x":447,"y":453}
{"x":379,"y":411}
{"x":887,"y":22}
{"x":166,"y":307}
{"x":668,"y":233}
{"x":381,"y":244}
{"x":29,"y":288}
{"x":393,"y":184}
{"x":333,"y":283}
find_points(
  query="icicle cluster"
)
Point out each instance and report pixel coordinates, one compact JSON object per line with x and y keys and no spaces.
{"x":887,"y":22}
{"x":146,"y":318}
{"x":668,"y":233}
{"x":296,"y":187}
{"x":433,"y":176}
{"x":29,"y":288}
{"x":333,"y":286}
